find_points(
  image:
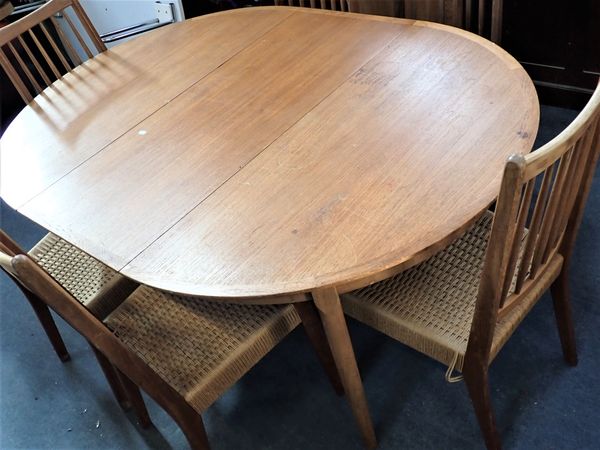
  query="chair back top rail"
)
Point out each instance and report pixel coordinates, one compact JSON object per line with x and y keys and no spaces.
{"x":537,"y":160}
{"x":31,"y":34}
{"x":537,"y":214}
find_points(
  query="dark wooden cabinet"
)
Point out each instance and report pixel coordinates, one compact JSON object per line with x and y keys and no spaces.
{"x":558,"y":42}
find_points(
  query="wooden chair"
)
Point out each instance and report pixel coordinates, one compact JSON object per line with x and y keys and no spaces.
{"x":489,"y":19}
{"x":462,"y":305}
{"x":481,"y":16}
{"x":97,"y":287}
{"x":31,"y":43}
{"x":184,"y":352}
{"x":335,"y":5}
{"x":94,"y":285}
{"x":450,"y":12}
{"x":391,"y":8}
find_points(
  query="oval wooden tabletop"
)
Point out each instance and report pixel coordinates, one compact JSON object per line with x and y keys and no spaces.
{"x":265,"y":151}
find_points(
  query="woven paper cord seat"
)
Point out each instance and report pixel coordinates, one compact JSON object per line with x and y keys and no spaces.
{"x":430,"y":306}
{"x":99,"y":288}
{"x":199,"y":347}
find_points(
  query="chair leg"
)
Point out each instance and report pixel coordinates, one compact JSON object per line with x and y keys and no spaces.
{"x":564,"y":317}
{"x":477,"y":382}
{"x":316,"y":335}
{"x":188,"y":419}
{"x":43,"y":314}
{"x":113,"y":380}
{"x":135,"y":398}
{"x":193,"y":427}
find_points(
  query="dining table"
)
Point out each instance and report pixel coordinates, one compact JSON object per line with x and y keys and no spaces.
{"x":273,"y":155}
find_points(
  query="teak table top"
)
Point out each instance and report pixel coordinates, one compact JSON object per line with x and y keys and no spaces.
{"x":265,"y":151}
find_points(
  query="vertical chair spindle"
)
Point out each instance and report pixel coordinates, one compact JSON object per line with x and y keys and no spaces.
{"x":18,"y":57}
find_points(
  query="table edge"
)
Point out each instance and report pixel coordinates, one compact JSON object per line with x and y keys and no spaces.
{"x":358,"y":275}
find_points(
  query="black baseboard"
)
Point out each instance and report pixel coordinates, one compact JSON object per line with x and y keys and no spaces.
{"x":553,"y":94}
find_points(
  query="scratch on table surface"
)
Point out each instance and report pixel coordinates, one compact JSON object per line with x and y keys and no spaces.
{"x":324,"y":211}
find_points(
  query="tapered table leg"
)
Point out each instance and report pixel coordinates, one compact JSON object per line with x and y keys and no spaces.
{"x":313,"y":326}
{"x":328,"y":303}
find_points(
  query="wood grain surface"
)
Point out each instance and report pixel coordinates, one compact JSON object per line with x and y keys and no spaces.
{"x":272,"y":150}
{"x":104,"y":98}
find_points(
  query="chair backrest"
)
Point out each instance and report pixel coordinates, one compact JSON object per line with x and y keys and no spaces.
{"x":335,"y":5}
{"x":449,"y":12}
{"x":35,"y":280}
{"x":489,"y":18}
{"x":481,"y":16}
{"x":538,"y":213}
{"x":29,"y":48}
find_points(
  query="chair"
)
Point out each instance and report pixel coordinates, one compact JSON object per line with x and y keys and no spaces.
{"x":483,"y":16}
{"x":391,"y":8}
{"x":489,"y":18}
{"x":335,"y":5}
{"x":96,"y":286}
{"x":450,"y":12}
{"x":462,"y":305}
{"x":32,"y":42}
{"x":183,"y":351}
